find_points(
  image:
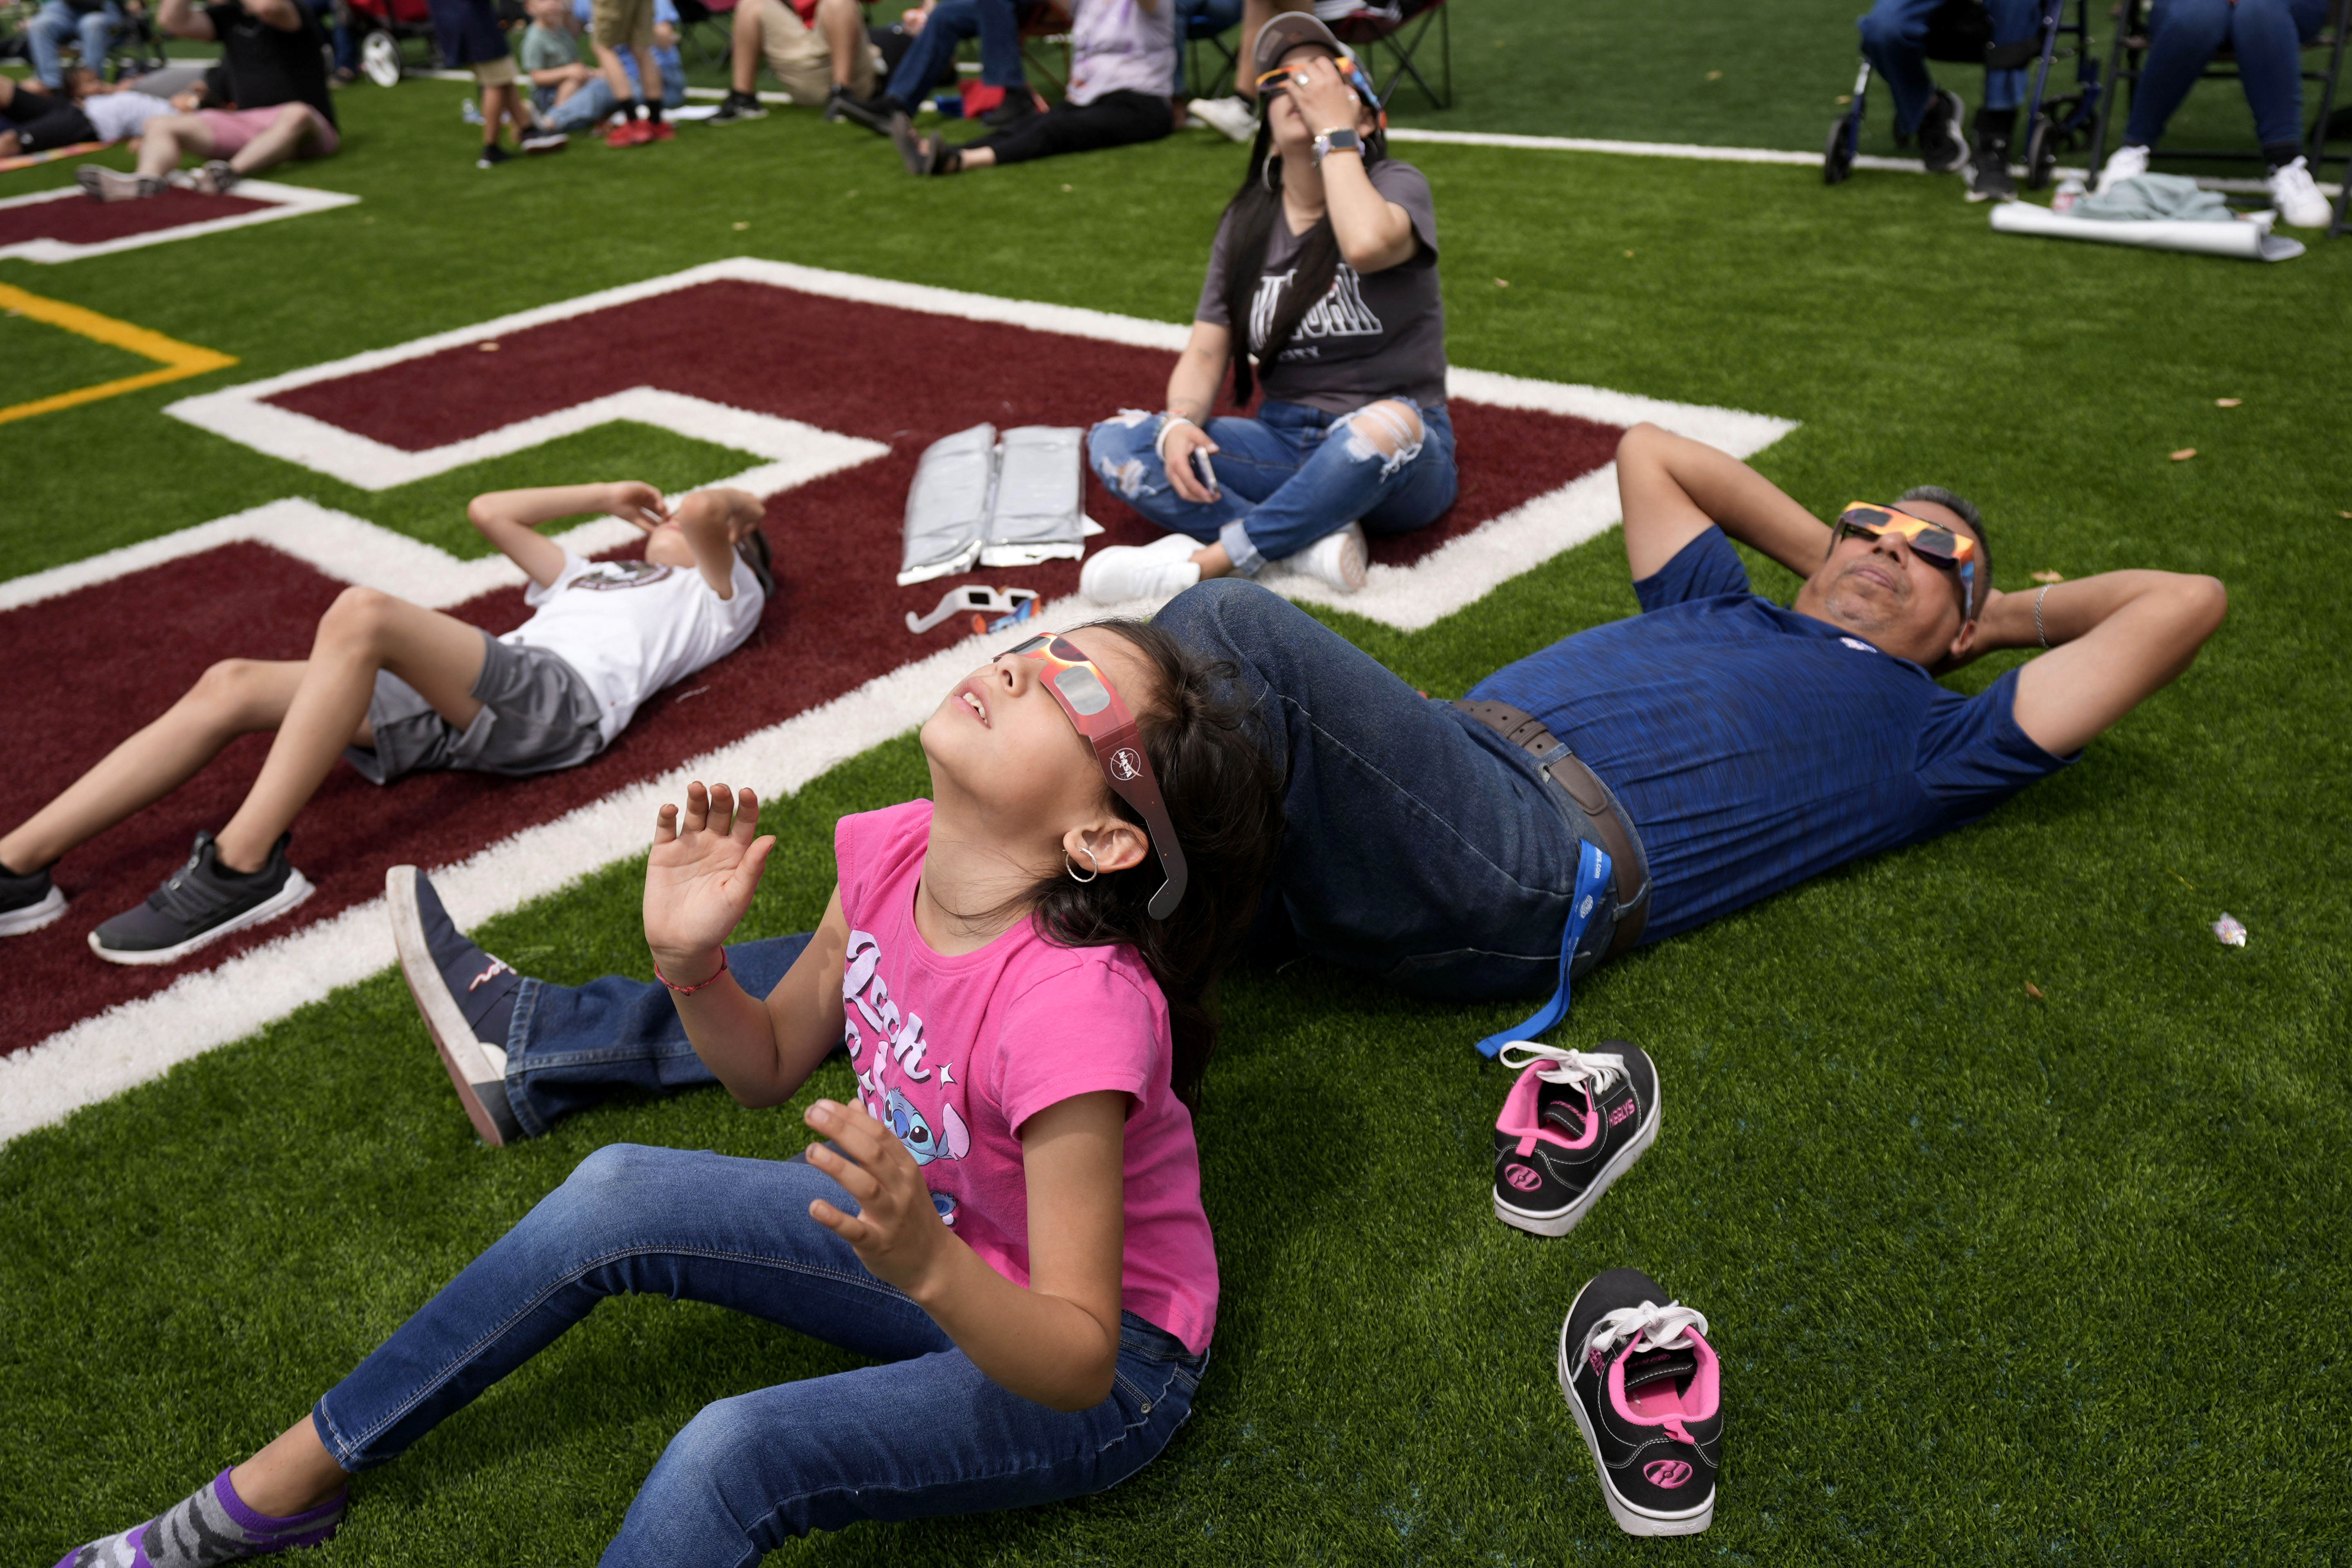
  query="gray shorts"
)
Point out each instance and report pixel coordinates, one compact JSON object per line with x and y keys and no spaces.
{"x":538,"y":714}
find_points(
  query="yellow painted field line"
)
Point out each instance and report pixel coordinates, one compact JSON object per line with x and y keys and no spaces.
{"x":179,"y":361}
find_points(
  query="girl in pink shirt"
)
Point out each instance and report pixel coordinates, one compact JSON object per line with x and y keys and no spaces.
{"x":1008,"y":1221}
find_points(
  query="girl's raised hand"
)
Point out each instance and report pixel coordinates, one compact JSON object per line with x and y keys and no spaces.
{"x":897,"y":1231}
{"x":635,"y":501}
{"x":700,"y":877}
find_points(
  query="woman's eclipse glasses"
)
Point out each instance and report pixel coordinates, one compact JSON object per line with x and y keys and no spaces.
{"x":1947,"y":549}
{"x":1078,"y":683}
{"x":1280,"y":80}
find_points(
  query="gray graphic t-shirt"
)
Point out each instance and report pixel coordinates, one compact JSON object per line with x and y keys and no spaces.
{"x":1370,"y":337}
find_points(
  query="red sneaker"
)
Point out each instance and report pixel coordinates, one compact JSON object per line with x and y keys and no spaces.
{"x":660,"y":131}
{"x":629,"y":133}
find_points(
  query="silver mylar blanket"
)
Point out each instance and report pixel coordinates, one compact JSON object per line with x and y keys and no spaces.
{"x":977,"y":501}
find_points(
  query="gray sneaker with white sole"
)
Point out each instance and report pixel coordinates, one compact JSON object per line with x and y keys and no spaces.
{"x":467,"y":998}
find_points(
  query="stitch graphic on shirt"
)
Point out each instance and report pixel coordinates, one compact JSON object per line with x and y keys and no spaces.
{"x":613,"y":574}
{"x":1340,"y":313}
{"x":952,"y":1142}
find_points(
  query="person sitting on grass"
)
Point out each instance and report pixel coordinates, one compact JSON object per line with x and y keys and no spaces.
{"x":2267,"y":36}
{"x":549,"y":55}
{"x":1324,"y":273}
{"x":820,"y":53}
{"x":276,"y":67}
{"x":1717,"y":748}
{"x":1007,"y":1227}
{"x":593,"y":104}
{"x":1123,"y":67}
{"x":91,"y":26}
{"x":935,"y":29}
{"x":467,"y":33}
{"x":398,"y":689}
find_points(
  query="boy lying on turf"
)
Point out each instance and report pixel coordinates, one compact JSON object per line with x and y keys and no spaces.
{"x":399,"y":688}
{"x":1007,"y":1228}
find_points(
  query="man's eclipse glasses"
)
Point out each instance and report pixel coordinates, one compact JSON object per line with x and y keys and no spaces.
{"x":1078,"y":683}
{"x":1947,"y":549}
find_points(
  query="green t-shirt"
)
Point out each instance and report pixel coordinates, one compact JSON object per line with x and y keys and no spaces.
{"x":545,"y":49}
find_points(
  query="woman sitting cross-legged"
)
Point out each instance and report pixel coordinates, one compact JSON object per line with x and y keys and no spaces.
{"x":1327,"y":256}
{"x":1007,"y":1225}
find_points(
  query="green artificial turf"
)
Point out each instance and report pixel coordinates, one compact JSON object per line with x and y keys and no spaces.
{"x":1995,"y":1278}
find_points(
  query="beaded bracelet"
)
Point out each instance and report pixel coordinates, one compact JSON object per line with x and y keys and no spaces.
{"x":2038,"y":598}
{"x":690,"y":990}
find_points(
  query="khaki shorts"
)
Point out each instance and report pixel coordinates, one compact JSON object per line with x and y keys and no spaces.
{"x":495,"y":73}
{"x":622,"y":23}
{"x":801,"y":62}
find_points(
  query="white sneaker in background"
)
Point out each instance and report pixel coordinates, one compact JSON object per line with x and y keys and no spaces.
{"x":2298,"y":198}
{"x":1337,"y":558}
{"x":1233,"y":116}
{"x":1160,"y":569}
{"x":2128,"y":163}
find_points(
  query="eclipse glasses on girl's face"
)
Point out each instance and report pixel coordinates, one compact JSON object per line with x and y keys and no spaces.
{"x":1282,"y":79}
{"x":1947,"y":550}
{"x":1078,"y":683}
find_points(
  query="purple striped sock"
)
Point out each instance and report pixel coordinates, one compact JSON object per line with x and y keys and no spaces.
{"x":211,"y":1526}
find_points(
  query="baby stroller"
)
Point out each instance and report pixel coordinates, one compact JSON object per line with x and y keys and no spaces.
{"x":1961,"y":31}
{"x":388,"y":24}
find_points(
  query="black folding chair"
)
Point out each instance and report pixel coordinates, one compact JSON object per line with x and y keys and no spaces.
{"x":1200,"y":31}
{"x":697,"y":21}
{"x":2127,"y":56}
{"x":1401,"y":28}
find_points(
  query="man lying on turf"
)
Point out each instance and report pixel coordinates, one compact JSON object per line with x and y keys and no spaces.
{"x":399,"y":689}
{"x":1717,"y":746}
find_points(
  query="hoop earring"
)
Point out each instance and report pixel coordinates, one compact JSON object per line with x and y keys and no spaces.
{"x":1090,"y":859}
{"x":1266,"y":171}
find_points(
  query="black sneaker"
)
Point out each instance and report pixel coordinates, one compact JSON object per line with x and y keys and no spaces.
{"x":1647,"y":1393}
{"x":1988,"y":177}
{"x":28,"y":901}
{"x":541,"y":141}
{"x":199,"y":904}
{"x":740,"y":106}
{"x":466,"y":996}
{"x":1018,"y":104}
{"x":1943,"y":143}
{"x":492,"y":155}
{"x":872,"y":113}
{"x":1571,"y":1125}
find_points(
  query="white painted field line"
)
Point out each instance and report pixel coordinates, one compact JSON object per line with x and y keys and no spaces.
{"x":285,"y":202}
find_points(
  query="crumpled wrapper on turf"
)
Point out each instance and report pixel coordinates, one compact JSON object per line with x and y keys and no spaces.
{"x":2228,"y":931}
{"x":1038,"y":512}
{"x":948,"y":505}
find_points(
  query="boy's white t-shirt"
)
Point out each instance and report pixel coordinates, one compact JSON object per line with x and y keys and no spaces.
{"x":116,"y":116}
{"x":631,"y":627}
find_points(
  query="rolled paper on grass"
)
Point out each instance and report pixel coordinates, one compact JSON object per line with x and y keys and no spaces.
{"x":2247,"y":239}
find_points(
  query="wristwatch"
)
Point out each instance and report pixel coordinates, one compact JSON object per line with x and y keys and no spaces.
{"x":1344,"y":139}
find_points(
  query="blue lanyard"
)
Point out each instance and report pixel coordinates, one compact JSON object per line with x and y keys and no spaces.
{"x":1592,"y":870}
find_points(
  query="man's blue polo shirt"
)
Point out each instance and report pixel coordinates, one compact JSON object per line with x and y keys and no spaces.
{"x":1755,"y":746}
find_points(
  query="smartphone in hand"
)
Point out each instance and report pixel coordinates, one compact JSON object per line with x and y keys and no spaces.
{"x":1208,"y":473}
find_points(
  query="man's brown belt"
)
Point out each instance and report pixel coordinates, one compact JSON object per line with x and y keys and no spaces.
{"x":1629,"y":872}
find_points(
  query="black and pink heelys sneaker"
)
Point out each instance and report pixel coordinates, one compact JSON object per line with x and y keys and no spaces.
{"x":1571,"y":1125}
{"x":1647,"y":1392}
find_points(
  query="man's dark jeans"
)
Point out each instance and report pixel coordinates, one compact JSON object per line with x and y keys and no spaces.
{"x":1420,"y":848}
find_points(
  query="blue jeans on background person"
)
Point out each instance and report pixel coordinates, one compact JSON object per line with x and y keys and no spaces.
{"x":2267,"y":35}
{"x":1283,"y":482}
{"x":56,"y":23}
{"x":587,"y":108}
{"x":924,"y":1434}
{"x":1895,"y":41}
{"x":931,"y":57}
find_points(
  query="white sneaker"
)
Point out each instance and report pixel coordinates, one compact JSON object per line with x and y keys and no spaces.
{"x":1160,"y":569}
{"x":1337,"y":559}
{"x":1233,"y":116}
{"x":2128,"y":163}
{"x":2299,"y":201}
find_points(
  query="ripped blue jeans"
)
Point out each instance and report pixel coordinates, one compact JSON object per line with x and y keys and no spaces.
{"x":1283,"y":481}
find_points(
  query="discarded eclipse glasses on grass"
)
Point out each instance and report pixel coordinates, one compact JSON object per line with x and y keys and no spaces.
{"x":976,"y":600}
{"x":1078,"y":683}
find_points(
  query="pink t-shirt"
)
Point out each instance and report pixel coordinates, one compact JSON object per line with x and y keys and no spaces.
{"x":954,"y":1054}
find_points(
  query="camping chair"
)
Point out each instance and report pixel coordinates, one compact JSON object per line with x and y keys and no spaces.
{"x":1200,"y":30}
{"x":697,"y":19}
{"x":1961,"y":33}
{"x":2128,"y":55}
{"x":1400,"y":27}
{"x":1044,"y":25}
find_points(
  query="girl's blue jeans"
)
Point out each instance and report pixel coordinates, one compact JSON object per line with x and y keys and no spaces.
{"x":923,"y":1432}
{"x":2267,"y":36}
{"x":1286,"y":478}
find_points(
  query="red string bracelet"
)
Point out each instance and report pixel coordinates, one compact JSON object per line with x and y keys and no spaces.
{"x":688,"y":990}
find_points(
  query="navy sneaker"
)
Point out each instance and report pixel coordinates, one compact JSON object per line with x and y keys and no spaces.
{"x":1572,"y":1123}
{"x":1647,"y":1392}
{"x":28,"y":901}
{"x":200,"y":904}
{"x":466,"y":996}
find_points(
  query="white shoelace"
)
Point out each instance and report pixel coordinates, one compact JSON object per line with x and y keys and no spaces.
{"x":1661,"y":1326}
{"x":1594,"y":1073}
